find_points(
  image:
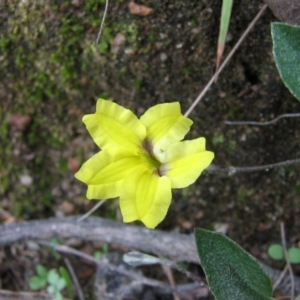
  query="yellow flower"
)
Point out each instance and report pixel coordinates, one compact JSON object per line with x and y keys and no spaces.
{"x":141,"y":159}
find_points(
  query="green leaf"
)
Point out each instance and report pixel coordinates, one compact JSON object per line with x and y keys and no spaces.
{"x":98,"y":254}
{"x":51,"y":289}
{"x":286,"y":50}
{"x":54,"y":241}
{"x":60,"y":284}
{"x":224,"y":24}
{"x":65,"y":275}
{"x":52,"y":277}
{"x":230,"y":271}
{"x":105,"y":248}
{"x":294,"y":255}
{"x":41,"y":271}
{"x":36,"y":283}
{"x":58,"y":296}
{"x":275,"y":251}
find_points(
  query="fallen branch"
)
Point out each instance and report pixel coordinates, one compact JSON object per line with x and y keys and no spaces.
{"x":174,"y":246}
{"x":9,"y":295}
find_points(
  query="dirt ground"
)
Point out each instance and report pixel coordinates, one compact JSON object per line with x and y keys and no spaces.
{"x":52,"y":74}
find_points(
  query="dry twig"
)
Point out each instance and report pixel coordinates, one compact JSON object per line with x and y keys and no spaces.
{"x":236,"y":46}
{"x":254,"y":123}
{"x":283,"y":241}
{"x":167,"y":270}
{"x":74,"y":279}
{"x":281,"y":276}
{"x":102,"y":23}
{"x":233,"y":170}
{"x":9,"y":295}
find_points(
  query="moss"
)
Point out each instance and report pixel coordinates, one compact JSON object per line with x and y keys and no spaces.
{"x":33,"y":139}
{"x":137,"y":83}
{"x":131,"y":33}
{"x":218,"y":138}
{"x":4,"y":184}
{"x":94,"y":5}
{"x":4,"y":42}
{"x":106,"y":39}
{"x":63,"y":165}
{"x":152,"y":35}
{"x":231,"y":146}
{"x":27,"y":43}
{"x":244,"y":193}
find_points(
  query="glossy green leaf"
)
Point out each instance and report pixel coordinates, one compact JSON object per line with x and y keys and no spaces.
{"x":230,"y":271}
{"x":286,"y":50}
{"x":275,"y":251}
{"x":294,"y":255}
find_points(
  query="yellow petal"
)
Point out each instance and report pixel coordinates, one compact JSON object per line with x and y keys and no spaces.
{"x":105,"y":171}
{"x":165,"y":125}
{"x":145,"y":196}
{"x":113,"y":125}
{"x":185,"y":161}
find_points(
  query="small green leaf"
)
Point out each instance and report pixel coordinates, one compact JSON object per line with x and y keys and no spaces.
{"x":41,"y":271}
{"x":105,"y":248}
{"x":36,"y":283}
{"x":275,"y":251}
{"x":51,"y":289}
{"x":54,"y":241}
{"x":230,"y":271}
{"x":58,"y":296}
{"x":52,"y":277}
{"x":286,"y":50}
{"x":60,"y":284}
{"x":65,"y":275}
{"x":98,"y":254}
{"x":294,"y":255}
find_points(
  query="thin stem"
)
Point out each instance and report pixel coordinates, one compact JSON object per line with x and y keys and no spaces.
{"x":282,"y":233}
{"x":250,"y":26}
{"x":168,"y":271}
{"x":74,"y":279}
{"x":94,"y":208}
{"x":232,"y":170}
{"x":102,"y":23}
{"x":279,"y":279}
{"x":262,"y":123}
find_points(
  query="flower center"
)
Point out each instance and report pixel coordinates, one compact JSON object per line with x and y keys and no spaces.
{"x":149,"y":157}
